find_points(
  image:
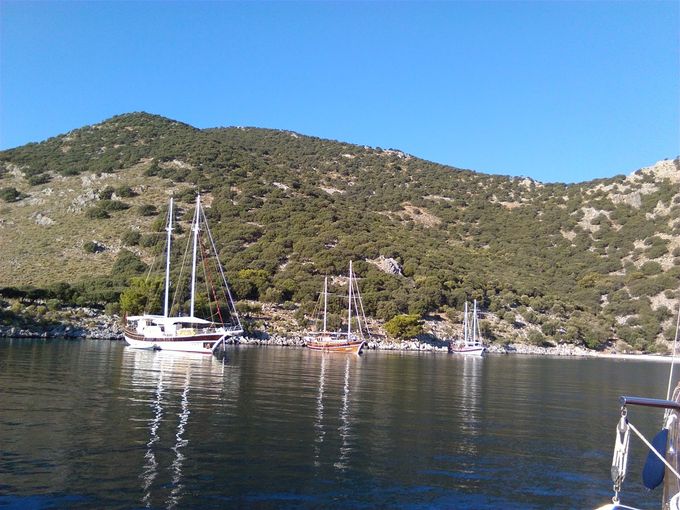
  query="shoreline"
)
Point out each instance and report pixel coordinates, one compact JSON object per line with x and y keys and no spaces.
{"x":95,"y":326}
{"x":415,"y":347}
{"x":563,"y":350}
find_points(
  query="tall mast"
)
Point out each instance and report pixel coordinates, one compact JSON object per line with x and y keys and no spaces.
{"x":195,"y":228}
{"x":325,"y":302}
{"x":474,"y":323}
{"x":465,"y":324}
{"x":167,"y":261}
{"x":349,"y":308}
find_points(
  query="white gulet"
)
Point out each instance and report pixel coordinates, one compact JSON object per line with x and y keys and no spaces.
{"x":471,"y":343}
{"x":189,"y":333}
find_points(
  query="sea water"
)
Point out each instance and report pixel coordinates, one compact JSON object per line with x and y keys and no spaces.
{"x":95,"y":424}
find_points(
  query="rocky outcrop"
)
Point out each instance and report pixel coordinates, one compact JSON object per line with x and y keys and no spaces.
{"x":387,"y":265}
{"x":86,"y":323}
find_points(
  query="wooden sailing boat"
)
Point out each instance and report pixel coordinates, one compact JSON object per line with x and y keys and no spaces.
{"x":188,"y":333}
{"x":471,"y":343}
{"x":341,"y":341}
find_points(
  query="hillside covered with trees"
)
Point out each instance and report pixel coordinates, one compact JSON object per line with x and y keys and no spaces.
{"x":82,"y":213}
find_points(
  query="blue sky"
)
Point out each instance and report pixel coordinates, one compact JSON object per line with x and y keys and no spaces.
{"x":558,"y":91}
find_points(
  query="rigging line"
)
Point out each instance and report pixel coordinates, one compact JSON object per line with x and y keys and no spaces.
{"x":209,"y":284}
{"x":154,"y":258}
{"x":317,"y":311}
{"x":356,"y":311}
{"x":216,"y":298}
{"x":152,"y":268}
{"x":363,"y":313}
{"x":654,"y":450}
{"x":356,"y":298}
{"x":675,"y":352}
{"x":156,"y":250}
{"x":157,"y":293}
{"x":232,"y":306}
{"x":206,"y":277}
{"x":222,"y":286}
{"x":176,"y":295}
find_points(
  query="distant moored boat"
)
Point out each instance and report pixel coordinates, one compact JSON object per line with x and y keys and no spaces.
{"x":341,"y":341}
{"x":471,"y":342}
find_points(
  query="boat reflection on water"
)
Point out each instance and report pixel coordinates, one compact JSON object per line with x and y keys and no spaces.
{"x":345,"y":423}
{"x":335,"y":390}
{"x":318,"y":422}
{"x":167,"y":385}
{"x":469,"y":401}
{"x":472,"y":368}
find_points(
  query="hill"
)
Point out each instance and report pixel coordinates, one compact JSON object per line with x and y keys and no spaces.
{"x":81,"y":213}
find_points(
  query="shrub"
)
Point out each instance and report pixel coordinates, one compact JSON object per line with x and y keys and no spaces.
{"x":97,"y":213}
{"x":594,"y":335}
{"x":535,"y":337}
{"x":106,"y":193}
{"x":549,"y":328}
{"x":131,"y":238}
{"x":127,"y":263}
{"x":148,"y":241}
{"x":147,"y":210}
{"x":125,"y":192}
{"x":486,"y":330}
{"x":92,"y":247}
{"x":53,"y":304}
{"x":10,"y":194}
{"x":113,"y":205}
{"x":112,"y":308}
{"x":404,"y":326}
{"x":35,"y":180}
{"x":651,"y":268}
{"x":244,"y":307}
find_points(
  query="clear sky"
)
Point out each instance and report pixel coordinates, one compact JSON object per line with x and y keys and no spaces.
{"x":558,"y":91}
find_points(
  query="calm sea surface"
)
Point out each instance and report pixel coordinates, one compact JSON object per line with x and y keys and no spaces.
{"x":93,"y":424}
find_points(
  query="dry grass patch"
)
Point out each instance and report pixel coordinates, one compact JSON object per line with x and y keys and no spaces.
{"x":42,"y":236}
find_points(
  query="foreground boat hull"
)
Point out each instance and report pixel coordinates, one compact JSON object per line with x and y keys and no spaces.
{"x":350,"y":347}
{"x":204,"y":344}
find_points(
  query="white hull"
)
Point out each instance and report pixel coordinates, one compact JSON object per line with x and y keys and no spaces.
{"x":470,"y":351}
{"x":188,"y":345}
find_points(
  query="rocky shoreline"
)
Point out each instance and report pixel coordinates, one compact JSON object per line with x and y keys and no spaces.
{"x":427,"y":345}
{"x":90,"y":324}
{"x":86,"y":323}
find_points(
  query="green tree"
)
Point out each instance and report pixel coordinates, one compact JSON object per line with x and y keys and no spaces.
{"x":404,"y":326}
{"x":142,"y":295}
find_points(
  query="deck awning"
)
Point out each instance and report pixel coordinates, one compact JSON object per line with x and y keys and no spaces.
{"x":161,"y":320}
